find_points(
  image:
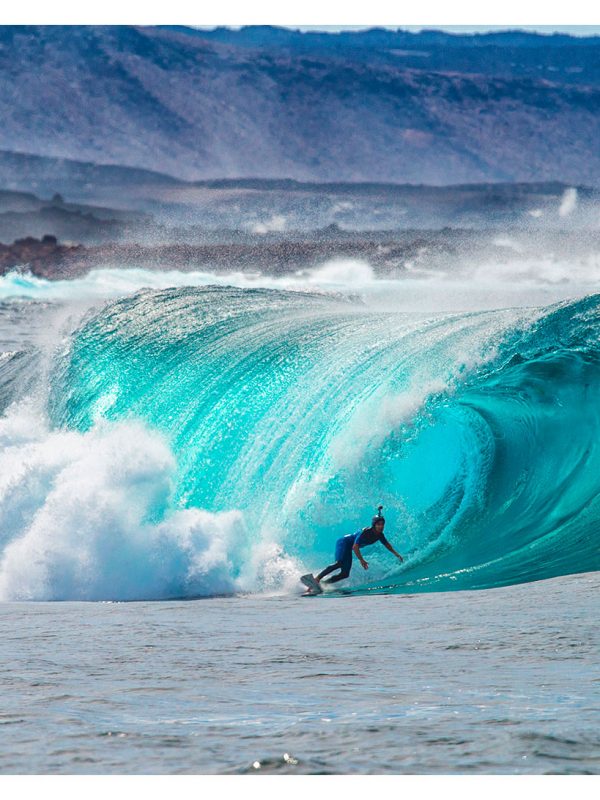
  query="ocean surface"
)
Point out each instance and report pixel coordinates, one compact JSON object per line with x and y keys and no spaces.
{"x":497,"y":681}
{"x":176,"y":449}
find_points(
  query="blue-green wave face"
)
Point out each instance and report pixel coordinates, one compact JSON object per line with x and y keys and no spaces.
{"x":477,"y":431}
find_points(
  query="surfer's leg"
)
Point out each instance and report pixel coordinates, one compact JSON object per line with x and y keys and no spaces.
{"x":327,"y":570}
{"x":345,"y":565}
{"x":343,"y":560}
{"x":339,"y":577}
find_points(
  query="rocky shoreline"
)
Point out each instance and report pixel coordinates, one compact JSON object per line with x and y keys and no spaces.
{"x":388,"y":254}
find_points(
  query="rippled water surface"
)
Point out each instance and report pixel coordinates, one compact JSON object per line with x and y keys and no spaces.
{"x":498,"y":681}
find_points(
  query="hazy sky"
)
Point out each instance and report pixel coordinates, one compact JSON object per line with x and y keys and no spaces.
{"x":575,"y":30}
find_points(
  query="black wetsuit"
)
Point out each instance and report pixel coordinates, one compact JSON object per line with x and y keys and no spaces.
{"x":343,"y":552}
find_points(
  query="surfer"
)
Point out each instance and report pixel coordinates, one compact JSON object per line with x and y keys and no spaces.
{"x":346,"y":546}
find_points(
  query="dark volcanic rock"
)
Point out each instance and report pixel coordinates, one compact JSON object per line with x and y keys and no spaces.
{"x":44,"y":257}
{"x":389,"y":253}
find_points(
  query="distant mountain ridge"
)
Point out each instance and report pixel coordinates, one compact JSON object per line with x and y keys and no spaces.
{"x":511,"y":53}
{"x":273,"y":103}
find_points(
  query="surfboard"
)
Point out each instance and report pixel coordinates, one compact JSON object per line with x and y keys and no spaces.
{"x":311,"y":584}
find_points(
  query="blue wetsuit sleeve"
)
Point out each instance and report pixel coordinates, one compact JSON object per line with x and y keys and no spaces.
{"x":357,"y":538}
{"x":383,"y":540}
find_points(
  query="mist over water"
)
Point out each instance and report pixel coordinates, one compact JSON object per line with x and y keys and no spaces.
{"x":469,"y":285}
{"x":171,"y":434}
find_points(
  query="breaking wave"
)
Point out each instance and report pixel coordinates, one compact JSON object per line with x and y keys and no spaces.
{"x":202,"y":440}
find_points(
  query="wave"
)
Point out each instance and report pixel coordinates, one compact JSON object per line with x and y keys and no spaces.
{"x":107,"y":283}
{"x":470,"y":285}
{"x":204,"y":440}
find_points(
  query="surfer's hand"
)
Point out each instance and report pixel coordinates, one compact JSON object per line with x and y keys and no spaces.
{"x":365,"y":565}
{"x":400,"y":559}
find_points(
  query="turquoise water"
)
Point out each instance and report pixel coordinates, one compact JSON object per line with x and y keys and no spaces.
{"x":477,"y":431}
{"x":196,"y":441}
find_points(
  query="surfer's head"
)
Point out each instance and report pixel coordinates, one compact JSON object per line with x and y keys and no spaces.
{"x":378,"y":523}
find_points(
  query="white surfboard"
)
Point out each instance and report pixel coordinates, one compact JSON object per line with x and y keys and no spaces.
{"x":311,"y":584}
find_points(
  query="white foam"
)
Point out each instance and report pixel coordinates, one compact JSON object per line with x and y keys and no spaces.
{"x":109,"y":283}
{"x":276,"y":223}
{"x":89,"y":516}
{"x":470,"y":285}
{"x":568,"y":202}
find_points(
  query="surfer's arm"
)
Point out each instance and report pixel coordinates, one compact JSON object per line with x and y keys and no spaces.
{"x":358,"y":554}
{"x":386,"y":544}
